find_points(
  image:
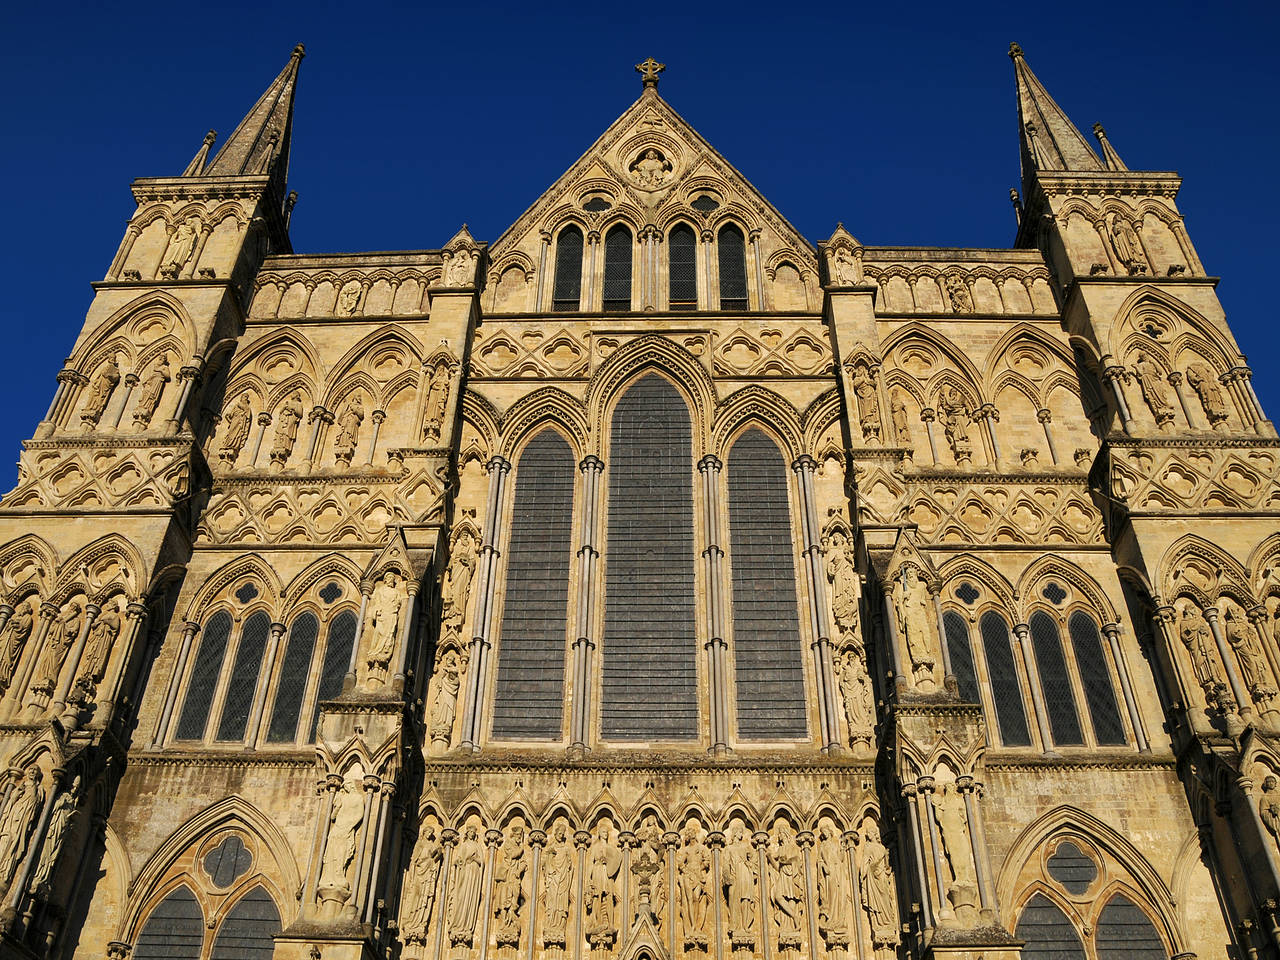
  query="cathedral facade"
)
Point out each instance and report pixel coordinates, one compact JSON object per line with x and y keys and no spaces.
{"x":647,"y":583}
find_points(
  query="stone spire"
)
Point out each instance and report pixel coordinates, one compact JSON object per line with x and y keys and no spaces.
{"x":1049,"y":140}
{"x":260,"y":144}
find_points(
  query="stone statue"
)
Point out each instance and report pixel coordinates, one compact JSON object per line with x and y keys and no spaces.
{"x":348,"y":435}
{"x":19,"y":815}
{"x":466,"y":887}
{"x":383,"y":624}
{"x":875,"y":884}
{"x":898,"y":413}
{"x":461,"y":270}
{"x":181,"y":246}
{"x":340,"y":848}
{"x":149,"y":395}
{"x":693,"y":878}
{"x":651,"y":169}
{"x":1128,"y":248}
{"x":60,"y":817}
{"x":1269,"y":807}
{"x":843,"y":269}
{"x":1154,"y":392}
{"x":239,"y":419}
{"x":58,"y":642}
{"x":604,"y":861}
{"x":953,"y":829}
{"x":445,"y":708}
{"x":418,"y":903}
{"x":102,"y":637}
{"x":958,"y":294}
{"x":955,"y":423}
{"x":855,"y":691}
{"x":864,"y":387}
{"x":833,"y":886}
{"x":557,"y":886}
{"x":846,"y":588}
{"x":1253,"y":668}
{"x":349,"y":298}
{"x":738,"y":877}
{"x":1199,"y":643}
{"x":100,"y":389}
{"x":457,"y":584}
{"x":16,"y":633}
{"x":1202,"y":380}
{"x":287,"y":419}
{"x":786,"y":885}
{"x":437,"y":401}
{"x":914,"y":621}
{"x":648,"y":865}
{"x":510,"y":888}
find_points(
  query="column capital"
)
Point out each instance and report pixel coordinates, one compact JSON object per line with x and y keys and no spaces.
{"x":278,"y":629}
{"x":926,"y":785}
{"x":537,"y":838}
{"x":492,"y":837}
{"x":1021,"y":631}
{"x":715,"y":839}
{"x":760,"y":839}
{"x":1211,"y":613}
{"x":371,"y":782}
{"x":804,"y":462}
{"x":449,"y":837}
{"x":135,"y":611}
{"x":1044,"y":415}
{"x":264,"y":419}
{"x":333,"y":782}
{"x":710,"y":462}
{"x":1163,"y":614}
{"x":671,"y":840}
{"x":498,"y":462}
{"x":1111,"y":630}
{"x":928,"y":414}
{"x":591,"y":462}
{"x":6,"y":611}
{"x":805,"y":838}
{"x":378,"y":416}
{"x":581,"y":839}
{"x":627,"y":839}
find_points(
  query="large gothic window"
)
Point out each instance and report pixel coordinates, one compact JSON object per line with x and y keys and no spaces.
{"x":1125,"y":933}
{"x":174,"y":931}
{"x":617,"y":270}
{"x":768,"y":667}
{"x":1051,"y":665}
{"x":529,"y":701}
{"x":1006,"y":691}
{"x":649,"y":681}
{"x":682,"y":268}
{"x":244,"y":677}
{"x":566,"y":292}
{"x":733,"y":268}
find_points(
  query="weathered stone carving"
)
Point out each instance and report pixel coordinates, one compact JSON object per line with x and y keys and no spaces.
{"x":60,"y":817}
{"x":345,"y":818}
{"x":457,"y":584}
{"x":693,"y":878}
{"x":557,"y":886}
{"x":648,"y":866}
{"x":466,"y":886}
{"x":875,"y":884}
{"x":1269,"y":807}
{"x":604,"y":861}
{"x":1155,"y":394}
{"x":437,"y":401}
{"x":864,"y":387}
{"x":97,"y":651}
{"x":651,"y":170}
{"x":510,"y":888}
{"x":181,"y":246}
{"x":1202,"y":380}
{"x":286,"y":435}
{"x":419,"y":900}
{"x":16,"y":633}
{"x":1253,"y":666}
{"x":444,"y":709}
{"x":957,"y":852}
{"x":349,"y":298}
{"x":1128,"y":248}
{"x":239,"y":420}
{"x":100,"y":389}
{"x":786,"y":886}
{"x":955,"y":421}
{"x":846,"y":586}
{"x":1198,"y":640}
{"x":911,"y":599}
{"x":832,"y":887}
{"x":149,"y":395}
{"x":898,"y":414}
{"x":16,"y":822}
{"x":384,"y":626}
{"x":739,"y":878}
{"x":461,"y":270}
{"x":855,"y":693}
{"x":348,"y":433}
{"x":58,"y":643}
{"x":844,"y":271}
{"x":958,"y":294}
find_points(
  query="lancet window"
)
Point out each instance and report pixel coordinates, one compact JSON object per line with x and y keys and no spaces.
{"x":617,"y":270}
{"x":731,"y":248}
{"x":566,"y":292}
{"x":1122,"y":931}
{"x":1002,"y":672}
{"x":176,"y":929}
{"x":682,"y":268}
{"x":961,"y":650}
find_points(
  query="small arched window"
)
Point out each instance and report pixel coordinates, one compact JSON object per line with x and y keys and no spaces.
{"x":1125,"y":933}
{"x":174,"y":931}
{"x":961,"y":651}
{"x":1049,"y":935}
{"x":337,"y":658}
{"x":682,"y":267}
{"x":204,"y":677}
{"x":244,"y":677}
{"x":294,"y":672}
{"x":1099,"y":694}
{"x":617,"y":270}
{"x":250,"y":929}
{"x":731,"y":245}
{"x":1051,"y":665}
{"x":566,"y":292}
{"x":1011,"y":712}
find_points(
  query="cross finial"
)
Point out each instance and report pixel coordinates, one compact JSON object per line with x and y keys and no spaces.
{"x":649,"y":71}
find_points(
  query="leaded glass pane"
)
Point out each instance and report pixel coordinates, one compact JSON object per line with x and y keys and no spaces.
{"x":682,"y":267}
{"x":244,"y":678}
{"x":529,"y":701}
{"x":649,"y":682}
{"x":204,"y":677}
{"x":768,"y":666}
{"x":1099,"y":694}
{"x":1060,"y":701}
{"x":566,"y":292}
{"x":733,"y":269}
{"x":294,"y":672}
{"x":1072,"y":868}
{"x":174,"y":931}
{"x":250,"y":929}
{"x":337,"y":657}
{"x":228,"y":862}
{"x":1126,"y":933}
{"x":1048,"y":933}
{"x":1011,"y":714}
{"x":617,"y":270}
{"x":961,"y":653}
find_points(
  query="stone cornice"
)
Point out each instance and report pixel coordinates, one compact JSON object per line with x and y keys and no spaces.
{"x":112,"y":440}
{"x":874,"y":256}
{"x":1067,"y":477}
{"x":349,"y":261}
{"x":286,"y":479}
{"x":1138,"y":183}
{"x":1192,"y":441}
{"x":231,"y":758}
{"x":1090,"y":761}
{"x":506,"y":761}
{"x":193,"y":188}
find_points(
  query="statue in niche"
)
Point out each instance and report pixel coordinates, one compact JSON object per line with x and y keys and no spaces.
{"x":1269,"y":807}
{"x":651,"y":170}
{"x":64,"y":810}
{"x":181,"y":246}
{"x":102,"y":637}
{"x":62,"y":635}
{"x":437,"y":401}
{"x":855,"y":691}
{"x":648,"y":863}
{"x":693,"y":878}
{"x":100,"y":389}
{"x":864,"y":387}
{"x":738,"y":877}
{"x":239,"y":419}
{"x":898,"y":414}
{"x":875,"y":884}
{"x":1128,"y":248}
{"x":846,"y":587}
{"x":1202,"y":380}
{"x":349,"y":298}
{"x":958,"y":294}
{"x":510,"y":887}
{"x":1253,"y":668}
{"x":953,"y":834}
{"x":383,"y":624}
{"x":457,"y":584}
{"x":467,"y":885}
{"x":604,"y":861}
{"x":1155,"y":394}
{"x":149,"y":395}
{"x":786,"y":885}
{"x":912,"y":602}
{"x":557,"y":886}
{"x":16,"y":633}
{"x":955,"y":423}
{"x":833,"y":887}
{"x":1198,"y":640}
{"x":16,"y":822}
{"x":843,"y":269}
{"x":420,"y":896}
{"x":287,"y":419}
{"x":461,"y":269}
{"x":340,"y":849}
{"x":348,"y":435}
{"x":448,"y":681}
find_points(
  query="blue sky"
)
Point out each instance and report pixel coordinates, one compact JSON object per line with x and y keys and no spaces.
{"x":898,"y":120}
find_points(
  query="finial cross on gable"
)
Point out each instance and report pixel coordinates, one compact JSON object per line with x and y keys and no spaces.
{"x":649,"y":71}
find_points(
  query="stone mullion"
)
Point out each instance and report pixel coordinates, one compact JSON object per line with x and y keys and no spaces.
{"x":716,"y":646}
{"x":387,"y":791}
{"x":1244,"y":702}
{"x":1046,"y":417}
{"x":705,"y":245}
{"x":977,"y":842}
{"x":189,"y":631}
{"x":485,"y":582}
{"x":68,"y":671}
{"x":819,"y":619}
{"x":911,"y":799}
{"x":587,"y":301}
{"x":1112,"y":632}
{"x":1030,"y":670}
{"x":252,"y":733}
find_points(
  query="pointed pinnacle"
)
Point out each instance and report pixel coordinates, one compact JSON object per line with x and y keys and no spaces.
{"x":1015,"y":51}
{"x":299,"y":51}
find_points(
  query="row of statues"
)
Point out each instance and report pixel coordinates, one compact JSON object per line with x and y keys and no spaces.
{"x":1196,"y":634}
{"x":659,"y":877}
{"x":103,"y":384}
{"x":1153,"y":385}
{"x":19,"y":817}
{"x":58,"y":643}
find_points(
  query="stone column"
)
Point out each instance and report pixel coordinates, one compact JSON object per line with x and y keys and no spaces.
{"x":130,"y":381}
{"x":537,"y":840}
{"x":755,"y":251}
{"x":760,"y":840}
{"x":805,"y":840}
{"x":543,"y":247}
{"x":189,"y":631}
{"x":252,"y":732}
{"x":710,"y":467}
{"x":628,"y":842}
{"x":187,"y":377}
{"x":588,"y":300}
{"x":131,"y":234}
{"x":977,"y":842}
{"x":948,"y":673}
{"x":135,"y":616}
{"x":406,"y":634}
{"x":1114,"y":377}
{"x":671,"y":843}
{"x":448,"y":840}
{"x":715,"y":840}
{"x":1176,"y":379}
{"x":377,"y":417}
{"x":386,"y":793}
{"x":328,"y":789}
{"x":581,"y":840}
{"x":990,"y":417}
{"x":1112,"y":632}
{"x":349,"y":680}
{"x":708,"y":295}
{"x":1026,"y":655}
{"x":891,"y":638}
{"x":72,"y":663}
{"x":484,"y":587}
{"x":1243,"y":701}
{"x":927,"y":415}
{"x":1046,"y":417}
{"x":820,"y":622}
{"x":912,"y":800}
{"x":588,"y":558}
{"x":1101,"y":227}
